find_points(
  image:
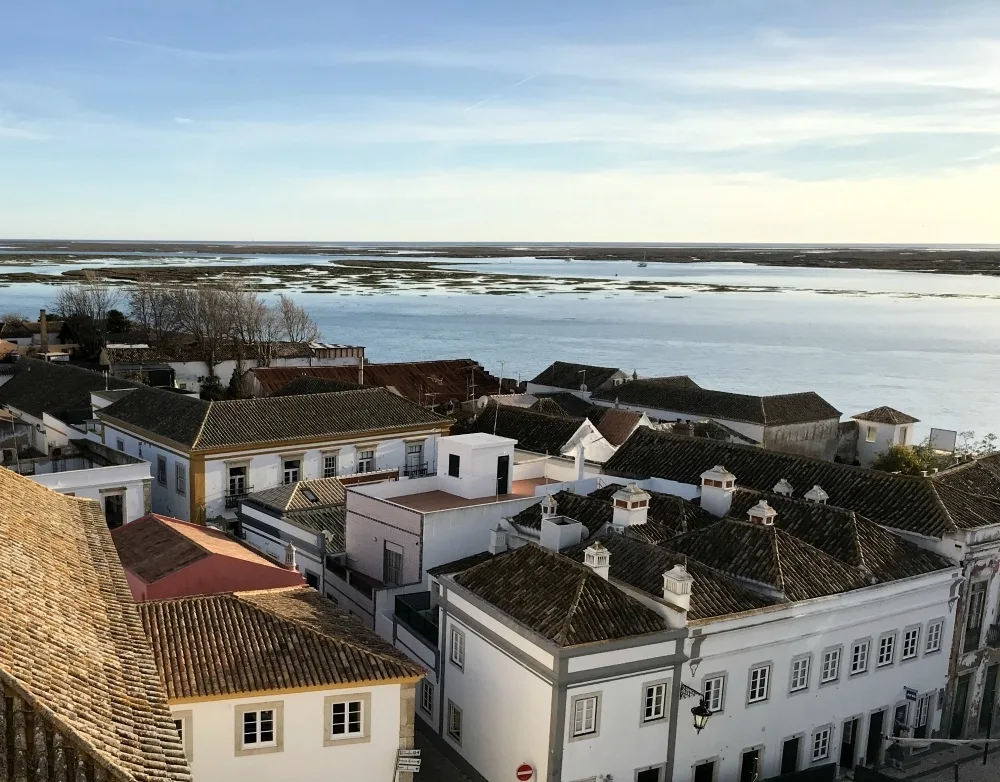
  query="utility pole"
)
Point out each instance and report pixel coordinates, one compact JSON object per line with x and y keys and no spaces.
{"x":502,"y":365}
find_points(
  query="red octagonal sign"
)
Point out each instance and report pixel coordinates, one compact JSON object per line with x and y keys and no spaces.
{"x":525,"y":772}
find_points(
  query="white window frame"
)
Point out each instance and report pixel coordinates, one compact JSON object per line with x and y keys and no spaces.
{"x":391,"y":554}
{"x":911,"y":636}
{"x":121,"y":444}
{"x":581,"y":725}
{"x":456,"y":648}
{"x":800,"y":674}
{"x":185,"y":718}
{"x":276,"y":744}
{"x":291,"y":474}
{"x":365,"y":461}
{"x":822,"y":739}
{"x":338,"y":712}
{"x":713,"y":688}
{"x":329,"y":458}
{"x":891,"y":638}
{"x":427,"y":697}
{"x":454,"y":727}
{"x":830,"y":669}
{"x":762,"y":693}
{"x":180,"y":478}
{"x":161,"y":469}
{"x":871,"y":434}
{"x":861,"y":643}
{"x":935,"y":631}
{"x":650,"y":712}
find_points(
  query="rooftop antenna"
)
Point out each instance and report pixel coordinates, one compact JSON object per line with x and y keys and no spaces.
{"x":496,"y":415}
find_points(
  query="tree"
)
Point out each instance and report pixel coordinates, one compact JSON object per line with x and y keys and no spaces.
{"x":297,"y":324}
{"x":117,"y":323}
{"x":14,"y":316}
{"x":152,"y":309}
{"x":905,"y":459}
{"x":85,"y":306}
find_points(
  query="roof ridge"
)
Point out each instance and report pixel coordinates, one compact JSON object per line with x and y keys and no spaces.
{"x":204,"y":422}
{"x":777,"y":559}
{"x":857,"y":539}
{"x":574,"y":604}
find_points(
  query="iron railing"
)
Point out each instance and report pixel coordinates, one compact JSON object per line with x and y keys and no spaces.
{"x":233,"y":499}
{"x":416,"y":612}
{"x":415,"y":470}
{"x":993,"y":636}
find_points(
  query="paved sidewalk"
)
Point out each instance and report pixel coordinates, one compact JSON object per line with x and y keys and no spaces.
{"x":940,"y":766}
{"x":434,"y":766}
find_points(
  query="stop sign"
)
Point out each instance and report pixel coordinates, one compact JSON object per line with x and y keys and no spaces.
{"x":525,"y":772}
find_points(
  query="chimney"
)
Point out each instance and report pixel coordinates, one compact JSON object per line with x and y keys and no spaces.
{"x":579,"y":462}
{"x":816,"y":494}
{"x":498,"y":540}
{"x":598,"y":559}
{"x":762,"y":514}
{"x":290,"y":556}
{"x":677,"y":583}
{"x":549,"y":507}
{"x":717,"y":487}
{"x":784,"y":488}
{"x":43,"y":331}
{"x":631,"y":506}
{"x":559,"y":532}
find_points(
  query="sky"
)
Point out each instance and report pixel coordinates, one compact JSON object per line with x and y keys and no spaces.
{"x":819,"y":121}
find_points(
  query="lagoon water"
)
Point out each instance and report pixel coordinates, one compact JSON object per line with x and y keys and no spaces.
{"x":927,"y":344}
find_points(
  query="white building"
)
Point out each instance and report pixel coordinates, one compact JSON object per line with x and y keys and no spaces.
{"x":879,"y":430}
{"x":288,"y":686}
{"x":209,"y":456}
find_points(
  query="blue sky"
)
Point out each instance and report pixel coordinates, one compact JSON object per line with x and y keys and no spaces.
{"x":568,"y":120}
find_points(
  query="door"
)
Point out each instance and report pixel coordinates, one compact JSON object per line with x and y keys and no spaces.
{"x":503,"y":475}
{"x":849,"y":743}
{"x":901,"y":721}
{"x":648,"y":775}
{"x":989,"y":700}
{"x":114,"y":510}
{"x":874,"y":745}
{"x":237,"y":481}
{"x":790,"y":755}
{"x":748,"y":765}
{"x":705,"y":772}
{"x":958,"y":707}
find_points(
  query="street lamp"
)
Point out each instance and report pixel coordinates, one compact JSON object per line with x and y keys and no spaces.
{"x":700,"y":713}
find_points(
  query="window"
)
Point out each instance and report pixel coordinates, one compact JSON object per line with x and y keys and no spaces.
{"x":258,"y":728}
{"x":427,"y":697}
{"x":859,"y":657}
{"x":454,"y":722}
{"x":902,"y":435}
{"x":179,"y":727}
{"x":345,"y":719}
{"x":415,"y":467}
{"x":934,"y":636}
{"x":182,"y":722}
{"x":180,"y":478}
{"x":821,"y":744}
{"x":161,"y":470}
{"x":120,"y":444}
{"x":392,"y":564}
{"x":715,"y":690}
{"x":330,"y":465}
{"x":911,"y":642}
{"x":654,"y":702}
{"x":454,"y":464}
{"x":290,"y":469}
{"x":648,"y":775}
{"x":366,"y":460}
{"x":831,"y":666}
{"x":238,"y":481}
{"x":886,"y":650}
{"x":348,"y":719}
{"x":974,"y":617}
{"x":759,"y":677}
{"x":457,"y":654}
{"x":870,"y":434}
{"x":585,"y":715}
{"x":312,"y":580}
{"x":920,"y":722}
{"x":800,"y":674}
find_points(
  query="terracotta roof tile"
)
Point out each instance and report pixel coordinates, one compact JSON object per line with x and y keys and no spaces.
{"x":886,"y":415}
{"x":295,"y":496}
{"x":615,"y":424}
{"x":73,"y":646}
{"x":535,"y":432}
{"x":54,"y":388}
{"x":560,"y":374}
{"x":308,"y":384}
{"x":267,"y":641}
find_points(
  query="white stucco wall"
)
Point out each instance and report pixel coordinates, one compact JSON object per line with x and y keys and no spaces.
{"x":166,"y":500}
{"x":886,"y":436}
{"x":91,"y":483}
{"x":453,"y":534}
{"x":213,"y":740}
{"x":734,"y":646}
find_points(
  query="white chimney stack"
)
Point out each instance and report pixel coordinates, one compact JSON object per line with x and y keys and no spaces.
{"x":784,"y":488}
{"x":816,"y":494}
{"x":677,"y":583}
{"x":717,"y":486}
{"x":498,"y":540}
{"x":290,"y":556}
{"x":631,"y":507}
{"x":762,"y":514}
{"x":598,"y":559}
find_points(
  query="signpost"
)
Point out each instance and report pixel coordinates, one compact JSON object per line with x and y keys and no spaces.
{"x":408,"y":760}
{"x":911,"y":694}
{"x":525,"y":772}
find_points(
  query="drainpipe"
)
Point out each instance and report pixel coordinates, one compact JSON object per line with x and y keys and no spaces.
{"x":580,"y":463}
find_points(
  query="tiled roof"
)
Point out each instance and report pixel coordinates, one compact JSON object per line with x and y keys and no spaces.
{"x":965,"y":497}
{"x":72,"y":644}
{"x":592,"y":513}
{"x":886,"y":415}
{"x":295,"y":496}
{"x":769,"y":556}
{"x":535,"y":432}
{"x":423,"y":382}
{"x":155,"y":546}
{"x":711,"y":430}
{"x":570,"y":404}
{"x":315,"y":385}
{"x":268,"y":641}
{"x":558,"y":598}
{"x":458,"y":565}
{"x":201,"y":425}
{"x":667,"y":516}
{"x":137,"y":354}
{"x":762,"y":410}
{"x":642,"y":566}
{"x":615,"y":424}
{"x":332,"y":520}
{"x":560,"y":374}
{"x":852,"y":539}
{"x":54,"y":387}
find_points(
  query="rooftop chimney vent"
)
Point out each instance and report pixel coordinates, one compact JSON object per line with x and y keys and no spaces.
{"x":816,"y":494}
{"x":784,"y":488}
{"x":763,"y":514}
{"x":598,"y":559}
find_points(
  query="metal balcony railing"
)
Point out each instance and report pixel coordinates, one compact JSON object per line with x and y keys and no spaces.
{"x":993,"y":636}
{"x":415,"y":470}
{"x":416,"y":612}
{"x":233,"y":499}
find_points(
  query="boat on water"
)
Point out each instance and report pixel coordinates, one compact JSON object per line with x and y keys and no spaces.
{"x":642,"y":264}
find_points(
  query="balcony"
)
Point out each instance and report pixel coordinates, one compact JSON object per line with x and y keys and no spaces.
{"x":233,"y":499}
{"x":993,"y":636}
{"x":417,"y":613}
{"x":416,"y":470}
